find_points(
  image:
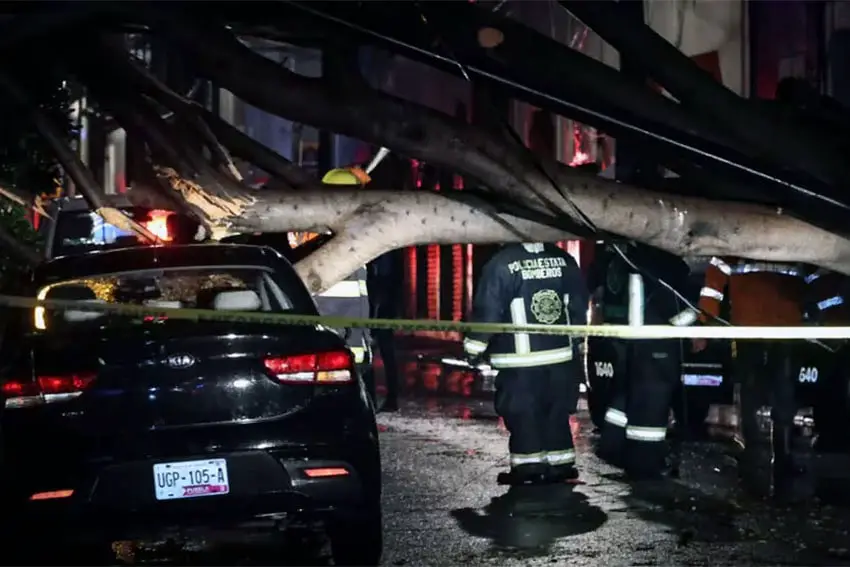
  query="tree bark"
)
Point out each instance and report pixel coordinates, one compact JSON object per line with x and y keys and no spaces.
{"x":368,"y":223}
{"x":680,"y":225}
{"x":385,"y":120}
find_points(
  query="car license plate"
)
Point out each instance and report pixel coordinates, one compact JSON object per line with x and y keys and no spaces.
{"x":190,"y":479}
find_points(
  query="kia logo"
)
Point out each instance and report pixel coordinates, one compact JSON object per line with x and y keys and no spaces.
{"x":180,"y":361}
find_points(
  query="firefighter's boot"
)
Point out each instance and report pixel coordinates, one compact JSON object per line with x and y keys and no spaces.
{"x":523,"y":475}
{"x":562,"y":473}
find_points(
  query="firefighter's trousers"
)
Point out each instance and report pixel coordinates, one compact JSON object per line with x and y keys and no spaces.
{"x":634,"y":435}
{"x":385,"y":341}
{"x":535,"y":404}
{"x":832,"y":398}
{"x":764,"y":378}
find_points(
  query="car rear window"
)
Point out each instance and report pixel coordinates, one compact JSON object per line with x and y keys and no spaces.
{"x":78,"y":232}
{"x":201,"y":288}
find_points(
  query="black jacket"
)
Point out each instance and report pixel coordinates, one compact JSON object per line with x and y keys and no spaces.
{"x":825,"y":298}
{"x":612,"y":275}
{"x":528,"y":284}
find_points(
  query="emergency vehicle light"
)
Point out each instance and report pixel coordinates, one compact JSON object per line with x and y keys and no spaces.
{"x":158,"y":224}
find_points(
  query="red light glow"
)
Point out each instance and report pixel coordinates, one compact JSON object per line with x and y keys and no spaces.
{"x":158,"y":224}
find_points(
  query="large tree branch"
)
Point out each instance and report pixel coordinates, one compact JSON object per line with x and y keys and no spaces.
{"x":375,"y":117}
{"x":368,"y":223}
{"x":210,"y":194}
{"x":679,"y":225}
{"x":216,"y":129}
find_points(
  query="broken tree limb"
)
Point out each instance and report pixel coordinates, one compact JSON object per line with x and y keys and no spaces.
{"x":239,"y":144}
{"x":27,"y":200}
{"x":211,"y":195}
{"x":115,"y":53}
{"x":384,"y":120}
{"x":368,"y":223}
{"x":76,"y":170}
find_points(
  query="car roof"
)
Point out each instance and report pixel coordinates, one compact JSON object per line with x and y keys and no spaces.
{"x":157,"y":257}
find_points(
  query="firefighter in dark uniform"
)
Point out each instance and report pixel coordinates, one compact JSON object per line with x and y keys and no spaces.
{"x":768,"y":294}
{"x":538,"y":382}
{"x":826,"y":304}
{"x":385,"y":286}
{"x":634,"y":435}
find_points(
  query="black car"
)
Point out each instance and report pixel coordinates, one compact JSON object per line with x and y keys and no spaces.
{"x":117,"y":428}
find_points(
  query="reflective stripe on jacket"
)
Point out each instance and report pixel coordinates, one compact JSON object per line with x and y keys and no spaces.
{"x":349,"y":298}
{"x":760,"y":293}
{"x":825,"y":298}
{"x":522,"y":284}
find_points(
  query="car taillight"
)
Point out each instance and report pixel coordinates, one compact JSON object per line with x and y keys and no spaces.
{"x":46,"y":389}
{"x":319,"y":368}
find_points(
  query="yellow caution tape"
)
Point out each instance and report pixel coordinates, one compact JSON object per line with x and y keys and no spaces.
{"x":615,"y":331}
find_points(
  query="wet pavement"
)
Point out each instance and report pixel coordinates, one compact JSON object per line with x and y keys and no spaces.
{"x":443,"y":450}
{"x":443,"y":506}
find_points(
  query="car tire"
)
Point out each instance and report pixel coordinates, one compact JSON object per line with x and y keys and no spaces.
{"x":357,"y":540}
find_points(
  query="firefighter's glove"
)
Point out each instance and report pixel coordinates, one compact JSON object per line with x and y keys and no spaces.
{"x":476,"y":360}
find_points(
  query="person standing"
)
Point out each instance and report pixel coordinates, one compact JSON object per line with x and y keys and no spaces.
{"x":385,"y":280}
{"x":826,"y":304}
{"x":538,"y":382}
{"x":634,"y":435}
{"x":350,"y":298}
{"x":384,"y":285}
{"x":760,"y":294}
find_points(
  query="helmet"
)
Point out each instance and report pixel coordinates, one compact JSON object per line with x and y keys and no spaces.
{"x":346,"y":176}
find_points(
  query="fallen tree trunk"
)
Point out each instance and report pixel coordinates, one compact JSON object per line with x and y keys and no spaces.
{"x":368,"y":223}
{"x":496,"y":161}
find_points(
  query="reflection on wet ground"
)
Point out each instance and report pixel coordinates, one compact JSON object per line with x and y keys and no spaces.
{"x":530,"y":519}
{"x":700,"y":519}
